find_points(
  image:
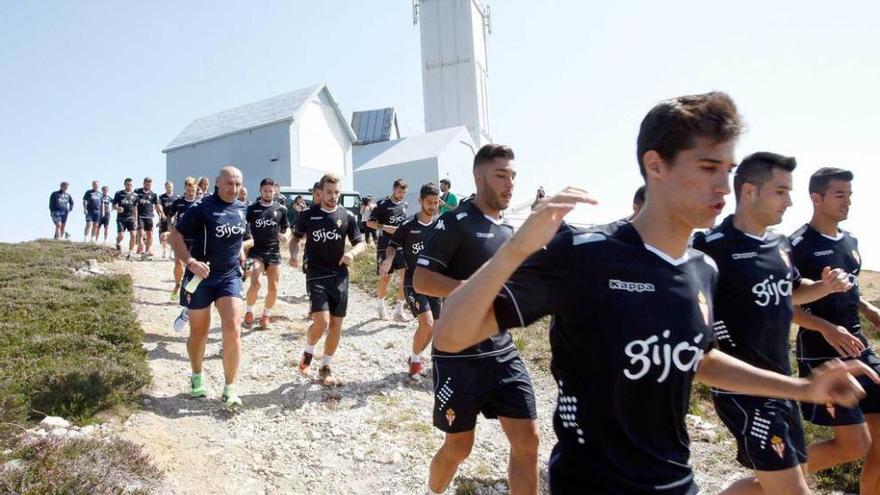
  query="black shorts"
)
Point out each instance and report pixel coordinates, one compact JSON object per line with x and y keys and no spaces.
{"x":329,"y":293}
{"x":163,"y":226}
{"x":419,"y":303}
{"x":104,"y":221}
{"x":399,"y":262}
{"x":265,"y":257}
{"x":495,"y":386}
{"x":769,"y":434}
{"x":835,"y":415}
{"x":125,"y":224}
{"x":145,"y":223}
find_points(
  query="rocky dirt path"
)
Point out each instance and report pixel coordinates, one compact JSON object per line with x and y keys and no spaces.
{"x":372,"y":435}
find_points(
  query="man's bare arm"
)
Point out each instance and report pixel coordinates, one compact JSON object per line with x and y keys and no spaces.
{"x":434,"y":284}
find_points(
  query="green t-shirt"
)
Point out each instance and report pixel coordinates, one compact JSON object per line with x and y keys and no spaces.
{"x":450,"y":199}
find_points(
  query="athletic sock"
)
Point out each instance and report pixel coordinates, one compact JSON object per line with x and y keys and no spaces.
{"x":267,"y":311}
{"x":248,"y":309}
{"x":399,"y":307}
{"x":229,"y":389}
{"x":310,"y":349}
{"x":380,"y":302}
{"x":415,"y":358}
{"x":325,"y":360}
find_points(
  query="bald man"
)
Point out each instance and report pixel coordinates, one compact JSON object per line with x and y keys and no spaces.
{"x":216,"y":225}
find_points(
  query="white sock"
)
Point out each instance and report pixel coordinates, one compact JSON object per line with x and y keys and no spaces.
{"x":399,"y":307}
{"x":267,"y":311}
{"x":310,"y":349}
{"x":415,"y":358}
{"x":325,"y":360}
{"x":380,"y":302}
{"x":248,"y":309}
{"x":432,"y":492}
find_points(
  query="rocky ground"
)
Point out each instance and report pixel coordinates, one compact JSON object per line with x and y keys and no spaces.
{"x":372,"y":435}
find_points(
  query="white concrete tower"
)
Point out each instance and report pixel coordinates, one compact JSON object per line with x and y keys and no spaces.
{"x":455,"y":74}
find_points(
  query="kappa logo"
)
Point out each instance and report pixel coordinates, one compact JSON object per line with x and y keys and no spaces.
{"x":744,"y":256}
{"x":615,"y":284}
{"x":823,"y":253}
{"x":440,"y":225}
{"x":485,"y":235}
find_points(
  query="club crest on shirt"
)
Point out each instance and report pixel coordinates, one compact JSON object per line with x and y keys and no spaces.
{"x":829,"y":406}
{"x":450,"y":416}
{"x":778,"y":446}
{"x":856,"y":256}
{"x":338,"y":222}
{"x":785,"y":258}
{"x":704,"y":306}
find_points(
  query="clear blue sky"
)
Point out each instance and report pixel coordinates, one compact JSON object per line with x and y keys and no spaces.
{"x":94,"y":90}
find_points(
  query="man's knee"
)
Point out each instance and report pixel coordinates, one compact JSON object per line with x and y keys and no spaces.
{"x":458,"y":446}
{"x":853,"y":442}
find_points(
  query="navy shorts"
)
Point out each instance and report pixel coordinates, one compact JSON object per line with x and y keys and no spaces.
{"x":125,"y":224}
{"x":329,"y":293}
{"x":59,"y":216}
{"x":399,"y":262}
{"x":265,"y":257}
{"x":769,"y":434}
{"x":145,"y":223}
{"x":93,"y":216}
{"x":495,"y":386}
{"x":835,"y":415}
{"x":419,"y":303}
{"x":210,"y":289}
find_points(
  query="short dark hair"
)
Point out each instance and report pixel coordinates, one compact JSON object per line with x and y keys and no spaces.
{"x":400,"y":183}
{"x":639,"y":196}
{"x":327,"y":179}
{"x":446,"y":181}
{"x":821,"y":178}
{"x":429,"y":189}
{"x":673,"y":125}
{"x":127,"y":179}
{"x":490,"y":152}
{"x":757,"y":168}
{"x":267,"y":182}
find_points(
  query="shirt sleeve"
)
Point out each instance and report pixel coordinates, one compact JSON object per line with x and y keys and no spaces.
{"x":52,"y":202}
{"x":284,"y":224}
{"x":376,"y":213}
{"x":354,"y":232}
{"x":70,"y":202}
{"x":442,"y":245}
{"x":115,"y":200}
{"x":398,"y":237}
{"x":538,"y":287}
{"x":301,"y":227}
{"x":190,"y":221}
{"x":452,"y":200}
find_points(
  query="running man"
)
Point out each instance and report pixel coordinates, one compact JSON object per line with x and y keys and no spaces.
{"x":60,"y":205}
{"x":216,"y":226}
{"x":181,"y":204}
{"x":638,"y":202}
{"x":385,"y":218}
{"x":202,"y":187}
{"x":92,"y":205}
{"x":267,"y":223}
{"x":148,"y":205}
{"x":829,"y":328}
{"x":166,"y":201}
{"x":632,"y":310}
{"x":487,"y":377}
{"x":125,"y":202}
{"x":410,"y":239}
{"x":448,"y":200}
{"x":757,"y":285}
{"x":325,"y":227}
{"x":278,"y":197}
{"x":106,"y":208}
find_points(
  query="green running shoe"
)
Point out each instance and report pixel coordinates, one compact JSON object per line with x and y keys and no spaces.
{"x":197,"y":387}
{"x":231,"y":399}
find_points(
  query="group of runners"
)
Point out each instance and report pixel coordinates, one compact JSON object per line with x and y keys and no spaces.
{"x":640,"y":307}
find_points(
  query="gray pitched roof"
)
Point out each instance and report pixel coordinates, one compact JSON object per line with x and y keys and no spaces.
{"x":258,"y":114}
{"x":373,"y":126}
{"x":408,"y":149}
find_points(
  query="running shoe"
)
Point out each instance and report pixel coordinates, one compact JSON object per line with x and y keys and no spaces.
{"x":182,"y":320}
{"x":248,"y":320}
{"x":325,"y":376}
{"x":383,"y":312}
{"x":305,"y":364}
{"x":197,"y":387}
{"x":415,"y":370}
{"x":264,"y":322}
{"x":231,"y":399}
{"x":400,"y":317}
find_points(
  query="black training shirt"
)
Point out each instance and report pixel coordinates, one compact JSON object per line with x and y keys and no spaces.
{"x":387,"y":212}
{"x":265,"y":224}
{"x":128,"y":202}
{"x":325,"y":233}
{"x":167,"y":202}
{"x":410,"y":239}
{"x":147,"y":201}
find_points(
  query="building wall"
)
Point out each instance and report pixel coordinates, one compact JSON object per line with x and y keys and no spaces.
{"x":320,"y":145}
{"x":456,"y":163}
{"x":377,"y":182}
{"x":251,"y":151}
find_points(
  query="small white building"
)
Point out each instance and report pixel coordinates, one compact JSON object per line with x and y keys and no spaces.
{"x":294,"y":138}
{"x":429,"y":157}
